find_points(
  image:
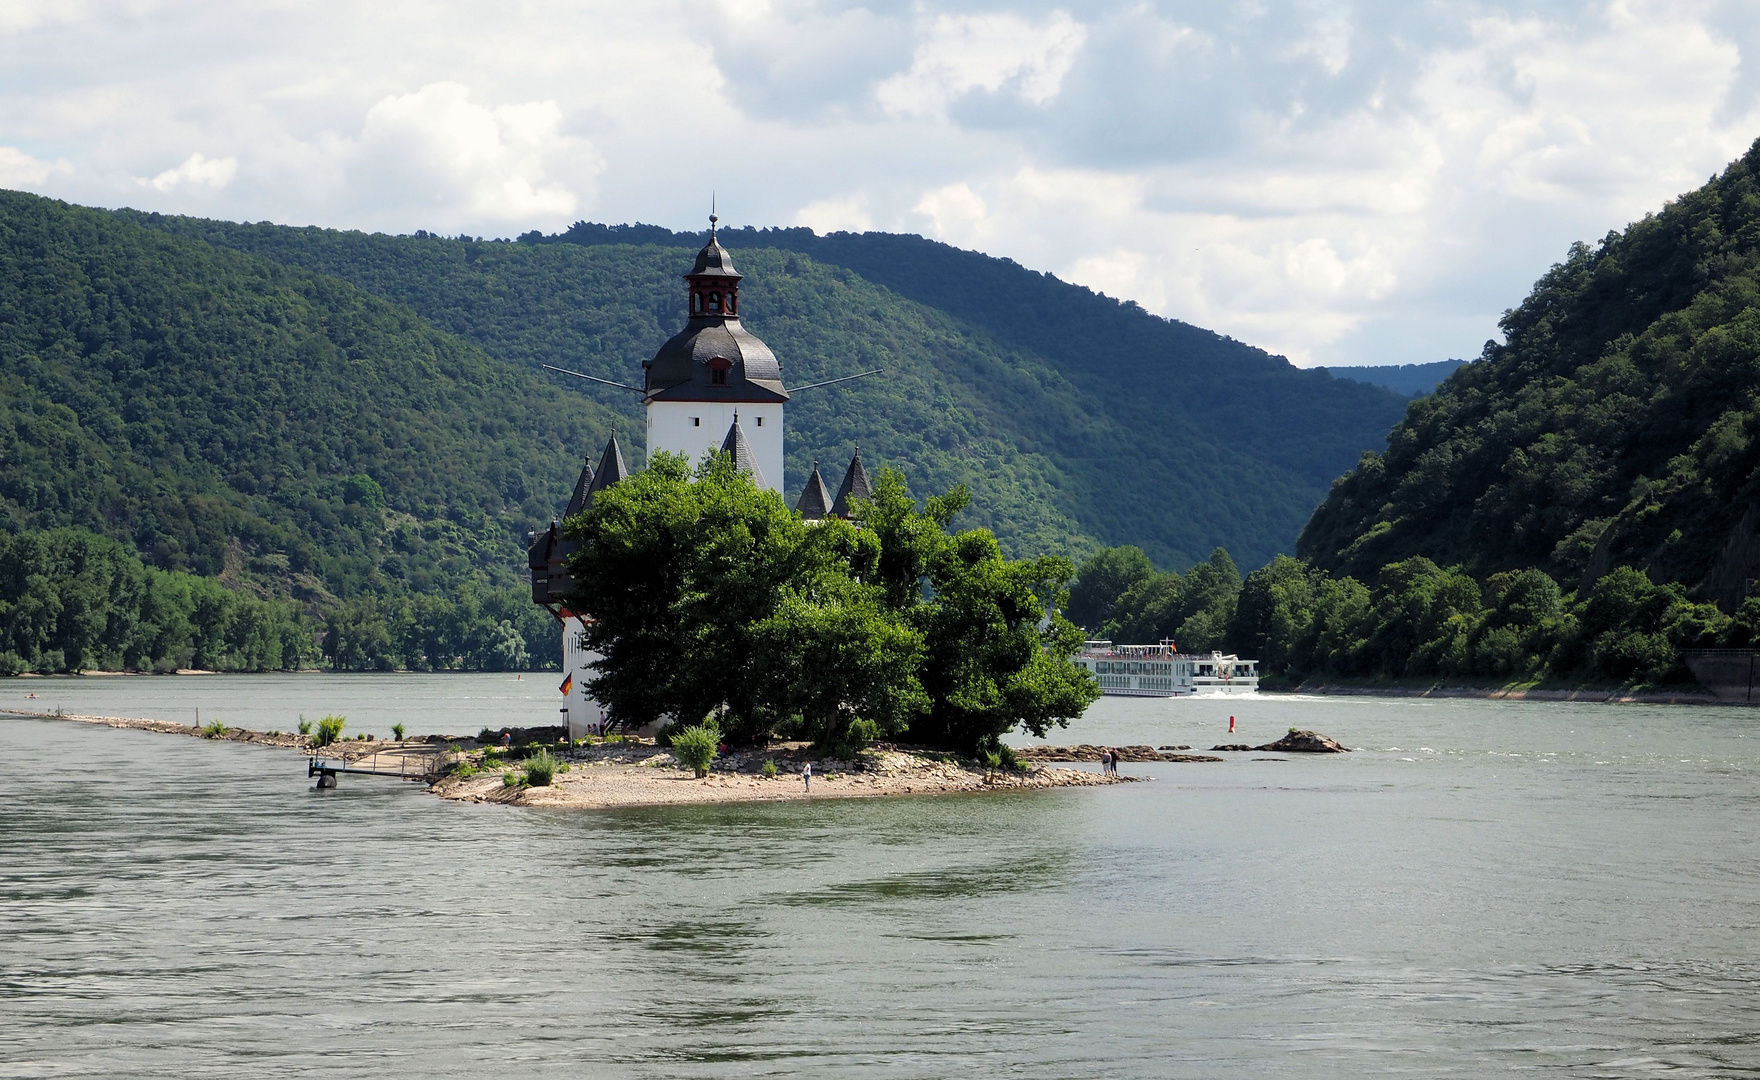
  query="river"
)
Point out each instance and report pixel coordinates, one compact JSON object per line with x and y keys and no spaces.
{"x":1482,"y":888}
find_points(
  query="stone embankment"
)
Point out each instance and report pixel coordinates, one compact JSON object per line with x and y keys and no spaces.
{"x":1090,"y":752}
{"x":1683,"y":696}
{"x":1296,"y":742}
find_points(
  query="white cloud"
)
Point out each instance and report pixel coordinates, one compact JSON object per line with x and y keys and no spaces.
{"x":847,"y":214}
{"x":196,"y":171}
{"x":1343,"y":182}
{"x":962,"y":53}
{"x":437,"y":148}
{"x":19,"y":170}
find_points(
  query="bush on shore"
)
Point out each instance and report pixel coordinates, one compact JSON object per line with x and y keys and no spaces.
{"x":541,"y":768}
{"x":695,"y":747}
{"x":329,"y":730}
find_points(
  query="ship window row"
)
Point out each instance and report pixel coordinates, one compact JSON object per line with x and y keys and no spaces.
{"x":1131,"y":667}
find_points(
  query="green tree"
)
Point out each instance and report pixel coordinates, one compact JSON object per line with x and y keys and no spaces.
{"x":709,"y":596}
{"x":997,"y":648}
{"x":1102,"y":579}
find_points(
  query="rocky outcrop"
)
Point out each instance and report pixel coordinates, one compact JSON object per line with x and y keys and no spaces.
{"x":1232,"y":748}
{"x":1304,"y":742}
{"x":1090,"y":752}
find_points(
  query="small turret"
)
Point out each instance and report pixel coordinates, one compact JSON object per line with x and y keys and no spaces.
{"x":815,"y":504}
{"x":547,"y":552}
{"x":736,"y":447}
{"x":855,"y":486}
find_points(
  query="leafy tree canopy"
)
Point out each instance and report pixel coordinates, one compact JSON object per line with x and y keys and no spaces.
{"x":709,"y":596}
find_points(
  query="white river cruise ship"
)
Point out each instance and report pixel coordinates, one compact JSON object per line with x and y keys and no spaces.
{"x":1163,"y":671}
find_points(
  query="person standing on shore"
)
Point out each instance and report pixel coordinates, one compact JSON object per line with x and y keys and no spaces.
{"x":807,"y":776}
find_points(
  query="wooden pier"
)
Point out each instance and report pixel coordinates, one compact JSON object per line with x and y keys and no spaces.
{"x":423,"y":761}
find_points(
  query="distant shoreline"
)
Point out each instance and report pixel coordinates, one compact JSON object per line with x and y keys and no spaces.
{"x":1599,"y":696}
{"x":637,"y":773}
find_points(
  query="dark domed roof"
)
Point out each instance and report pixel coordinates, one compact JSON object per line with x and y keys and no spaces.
{"x":714,"y":358}
{"x":683,"y":369}
{"x":714,"y":261}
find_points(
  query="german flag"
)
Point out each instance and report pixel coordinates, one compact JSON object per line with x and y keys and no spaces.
{"x":567,"y":684}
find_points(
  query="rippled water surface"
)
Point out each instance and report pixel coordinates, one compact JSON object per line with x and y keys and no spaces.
{"x":1483,"y":888}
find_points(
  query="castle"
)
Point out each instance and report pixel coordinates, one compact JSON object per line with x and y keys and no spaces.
{"x":711,"y":386}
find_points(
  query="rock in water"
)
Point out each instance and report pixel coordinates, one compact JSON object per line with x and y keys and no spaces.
{"x":1305,"y":742}
{"x":1232,"y":747}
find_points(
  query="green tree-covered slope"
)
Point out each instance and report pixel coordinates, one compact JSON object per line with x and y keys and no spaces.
{"x":1074,"y":419}
{"x":1619,"y":426}
{"x":281,"y":429}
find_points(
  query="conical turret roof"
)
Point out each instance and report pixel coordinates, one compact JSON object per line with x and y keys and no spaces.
{"x":855,"y":486}
{"x":611,"y":468}
{"x":583,"y":490}
{"x":736,"y":447}
{"x":815,"y":504}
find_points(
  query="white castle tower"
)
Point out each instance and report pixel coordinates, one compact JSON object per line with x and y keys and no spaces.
{"x":713,"y":386}
{"x":714,"y":372}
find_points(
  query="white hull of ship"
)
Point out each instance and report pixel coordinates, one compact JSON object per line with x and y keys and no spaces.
{"x":1158,"y":671}
{"x":1238,"y":689}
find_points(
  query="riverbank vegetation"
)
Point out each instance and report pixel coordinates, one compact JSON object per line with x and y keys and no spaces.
{"x":1414,"y":620}
{"x":710,"y":597}
{"x":1579,"y":506}
{"x":72,"y":601}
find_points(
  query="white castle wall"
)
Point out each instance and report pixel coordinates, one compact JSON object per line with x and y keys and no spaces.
{"x":581,"y":714}
{"x":694,"y":428}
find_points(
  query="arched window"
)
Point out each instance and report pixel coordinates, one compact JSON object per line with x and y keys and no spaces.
{"x":714,"y":301}
{"x":696,"y":303}
{"x":733,"y":303}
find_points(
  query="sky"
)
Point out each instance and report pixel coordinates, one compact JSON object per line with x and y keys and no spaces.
{"x":1340,"y":183}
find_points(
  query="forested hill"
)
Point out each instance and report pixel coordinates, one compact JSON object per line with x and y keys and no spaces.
{"x":1618,"y":426}
{"x":1075,"y":419}
{"x":1408,"y":379}
{"x":230,"y":415}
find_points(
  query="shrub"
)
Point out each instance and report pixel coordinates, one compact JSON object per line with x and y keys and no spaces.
{"x":12,"y":664}
{"x":397,"y":731}
{"x":854,"y":739}
{"x":694,"y":747}
{"x":768,"y":769}
{"x":541,"y":768}
{"x":510,"y":779}
{"x":305,"y":726}
{"x":329,"y":730}
{"x":215,"y":730}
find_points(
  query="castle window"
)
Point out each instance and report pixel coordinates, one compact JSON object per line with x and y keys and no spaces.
{"x":718,"y":377}
{"x":696,"y":421}
{"x":714,"y":301}
{"x":696,"y":303}
{"x":760,"y":421}
{"x":733,"y":303}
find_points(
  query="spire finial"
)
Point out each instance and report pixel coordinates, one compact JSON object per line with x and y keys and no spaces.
{"x":712,"y":218}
